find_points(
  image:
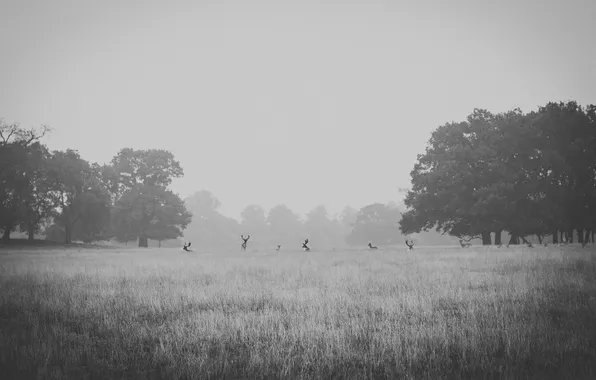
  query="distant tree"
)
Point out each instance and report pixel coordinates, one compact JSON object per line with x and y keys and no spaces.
{"x":348,"y":217}
{"x":286,"y":226}
{"x":254,"y":222}
{"x":209,"y":228}
{"x":319,"y":228}
{"x":376,"y":222}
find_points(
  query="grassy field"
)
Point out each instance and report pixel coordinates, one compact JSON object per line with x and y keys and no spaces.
{"x":429,"y":314}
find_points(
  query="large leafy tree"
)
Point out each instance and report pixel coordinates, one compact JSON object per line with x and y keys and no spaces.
{"x":568,"y":158}
{"x":525,"y":174}
{"x":36,"y":204}
{"x":144,"y":205}
{"x":149,"y":212}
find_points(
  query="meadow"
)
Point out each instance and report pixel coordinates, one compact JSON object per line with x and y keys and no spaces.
{"x":434,"y":313}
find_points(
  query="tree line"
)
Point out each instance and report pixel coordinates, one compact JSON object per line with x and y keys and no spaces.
{"x":376,"y":222}
{"x":62,"y":196}
{"x":72,"y":199}
{"x":527,"y":174}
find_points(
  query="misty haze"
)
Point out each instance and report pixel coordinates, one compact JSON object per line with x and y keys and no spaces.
{"x":297,"y":189}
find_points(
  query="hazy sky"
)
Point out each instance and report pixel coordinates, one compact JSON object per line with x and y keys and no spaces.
{"x":299,"y":102}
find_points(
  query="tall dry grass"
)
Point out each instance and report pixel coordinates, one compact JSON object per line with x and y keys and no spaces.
{"x":430,"y":314}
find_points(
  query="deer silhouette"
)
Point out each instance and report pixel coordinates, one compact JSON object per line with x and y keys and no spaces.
{"x":304,"y":245}
{"x":186,"y":247}
{"x":372,"y":247}
{"x":410,"y":244}
{"x":529,"y":244}
{"x":244,"y":241}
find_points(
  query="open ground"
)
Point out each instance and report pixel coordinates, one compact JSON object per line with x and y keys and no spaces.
{"x":428,"y":314}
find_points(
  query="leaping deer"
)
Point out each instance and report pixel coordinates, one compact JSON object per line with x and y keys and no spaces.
{"x":304,"y":245}
{"x":528,"y":243}
{"x":410,"y":244}
{"x":244,"y":241}
{"x":464,"y":245}
{"x":372,"y":247}
{"x":186,"y":247}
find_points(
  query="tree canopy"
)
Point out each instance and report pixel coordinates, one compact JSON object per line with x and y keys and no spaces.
{"x":527,"y":174}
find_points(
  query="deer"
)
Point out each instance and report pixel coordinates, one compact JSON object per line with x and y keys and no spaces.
{"x":278,"y":247}
{"x":372,"y":247}
{"x":528,"y":243}
{"x":466,"y":244}
{"x":244,"y":241}
{"x":304,"y":245}
{"x":410,"y":244}
{"x":186,"y":247}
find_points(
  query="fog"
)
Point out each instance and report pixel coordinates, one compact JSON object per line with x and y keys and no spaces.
{"x":284,"y":102}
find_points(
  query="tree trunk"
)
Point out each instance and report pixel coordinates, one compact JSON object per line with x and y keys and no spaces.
{"x":570,"y":236}
{"x":486,"y":240}
{"x":587,"y":237}
{"x":593,"y":235}
{"x":514,"y":239}
{"x":498,"y":237}
{"x":555,"y":237}
{"x":67,"y":234}
{"x":160,"y":244}
{"x":31,"y":232}
{"x":539,"y":238}
{"x":6,"y":234}
{"x":143,"y":241}
{"x":580,"y":235}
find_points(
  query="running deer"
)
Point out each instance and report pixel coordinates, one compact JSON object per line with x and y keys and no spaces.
{"x":410,"y":244}
{"x":372,"y":247}
{"x":304,"y":245}
{"x":244,"y":241}
{"x":186,"y":247}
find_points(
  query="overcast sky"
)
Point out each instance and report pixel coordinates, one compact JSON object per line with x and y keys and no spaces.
{"x":299,"y":102}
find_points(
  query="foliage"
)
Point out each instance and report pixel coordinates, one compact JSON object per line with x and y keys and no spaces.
{"x":377,"y":223}
{"x":21,"y":156}
{"x":144,"y":207}
{"x":76,"y":192}
{"x":522,"y":173}
{"x":209,"y":227}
